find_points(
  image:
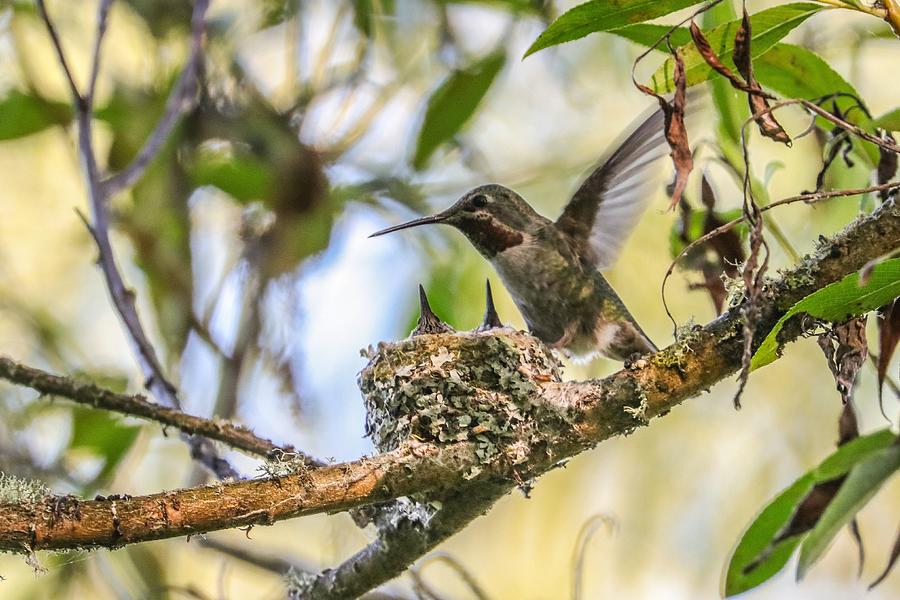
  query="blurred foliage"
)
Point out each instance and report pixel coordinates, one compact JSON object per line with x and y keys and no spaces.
{"x":387,"y":104}
{"x":25,"y":114}
{"x":451,"y":105}
{"x":761,"y":553}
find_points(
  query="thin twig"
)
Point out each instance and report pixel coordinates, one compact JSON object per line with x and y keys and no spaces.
{"x":181,"y":99}
{"x":460,"y":569}
{"x":274,"y":564}
{"x":102,"y":21}
{"x":60,"y":54}
{"x":585,"y":534}
{"x":122,"y":297}
{"x":808,"y":198}
{"x":235,"y":436}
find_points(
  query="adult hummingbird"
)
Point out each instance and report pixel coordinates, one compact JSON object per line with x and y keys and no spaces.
{"x":552,"y":268}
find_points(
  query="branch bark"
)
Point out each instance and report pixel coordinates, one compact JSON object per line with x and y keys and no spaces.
{"x":596,"y":410}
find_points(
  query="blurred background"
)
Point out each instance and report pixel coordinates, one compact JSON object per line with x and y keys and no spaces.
{"x":246,"y":244}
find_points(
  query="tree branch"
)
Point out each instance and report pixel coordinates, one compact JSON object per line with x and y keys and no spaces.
{"x":181,"y":100}
{"x":137,"y":405}
{"x":595,"y":410}
{"x":122,"y":297}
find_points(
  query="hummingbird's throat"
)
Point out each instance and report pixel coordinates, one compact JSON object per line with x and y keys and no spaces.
{"x":489,"y":235}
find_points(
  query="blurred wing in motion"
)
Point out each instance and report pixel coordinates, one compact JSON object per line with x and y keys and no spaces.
{"x":610,"y":202}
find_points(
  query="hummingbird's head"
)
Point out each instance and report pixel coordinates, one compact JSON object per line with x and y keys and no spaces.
{"x":493,"y":217}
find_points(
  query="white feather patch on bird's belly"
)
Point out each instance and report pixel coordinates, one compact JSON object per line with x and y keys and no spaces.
{"x":583,"y":348}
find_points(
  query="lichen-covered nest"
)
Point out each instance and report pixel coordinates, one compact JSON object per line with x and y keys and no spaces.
{"x":450,"y":387}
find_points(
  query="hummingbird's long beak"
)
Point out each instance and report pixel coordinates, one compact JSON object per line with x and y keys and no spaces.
{"x":414,"y":223}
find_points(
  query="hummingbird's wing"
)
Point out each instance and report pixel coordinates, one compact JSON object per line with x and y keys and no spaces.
{"x":607,"y":206}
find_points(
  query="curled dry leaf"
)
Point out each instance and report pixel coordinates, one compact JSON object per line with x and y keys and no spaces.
{"x":888,"y":336}
{"x":753,"y":276}
{"x":727,"y":244}
{"x":892,"y":560}
{"x":709,"y":55}
{"x":759,"y":105}
{"x":676,"y":132}
{"x":846,"y":350}
{"x":757,"y":98}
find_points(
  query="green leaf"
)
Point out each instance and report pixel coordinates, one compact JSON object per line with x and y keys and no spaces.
{"x":864,"y":480}
{"x":603,"y":15}
{"x":778,"y":513}
{"x":646,"y":35}
{"x":848,"y":455}
{"x":453,"y":103}
{"x":23,"y":114}
{"x":837,"y":302}
{"x":796,"y":72}
{"x":769,"y":26}
{"x":275,"y":12}
{"x":243,"y":177}
{"x":102,"y":434}
{"x":731,"y":105}
{"x":889,"y":121}
{"x":773,"y":518}
{"x":512,"y":6}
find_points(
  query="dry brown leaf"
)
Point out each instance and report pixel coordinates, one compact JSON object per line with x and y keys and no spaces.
{"x":759,"y":105}
{"x":712,"y":59}
{"x":675,"y":130}
{"x":846,"y":350}
{"x":888,"y":336}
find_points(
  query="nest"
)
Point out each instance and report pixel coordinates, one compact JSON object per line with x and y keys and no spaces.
{"x":448,"y":387}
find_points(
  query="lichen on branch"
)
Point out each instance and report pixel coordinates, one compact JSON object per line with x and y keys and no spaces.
{"x":480,"y":387}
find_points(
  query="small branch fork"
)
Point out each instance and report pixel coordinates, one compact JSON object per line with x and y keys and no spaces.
{"x":99,"y":191}
{"x":657,"y":384}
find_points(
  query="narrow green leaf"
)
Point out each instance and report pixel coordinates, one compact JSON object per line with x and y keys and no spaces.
{"x":778,"y":513}
{"x":855,"y":451}
{"x":796,"y":72}
{"x":451,"y":105}
{"x":24,"y":114}
{"x":773,"y":518}
{"x":837,"y":302}
{"x":889,"y":121}
{"x":769,"y":26}
{"x":603,"y":15}
{"x":730,"y":104}
{"x":864,"y":480}
{"x":646,"y":34}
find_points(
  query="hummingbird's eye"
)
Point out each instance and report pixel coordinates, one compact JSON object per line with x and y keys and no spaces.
{"x":479,"y":201}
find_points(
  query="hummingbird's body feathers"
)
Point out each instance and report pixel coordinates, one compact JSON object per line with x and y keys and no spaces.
{"x":552,"y":269}
{"x":565,"y":302}
{"x":610,"y":202}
